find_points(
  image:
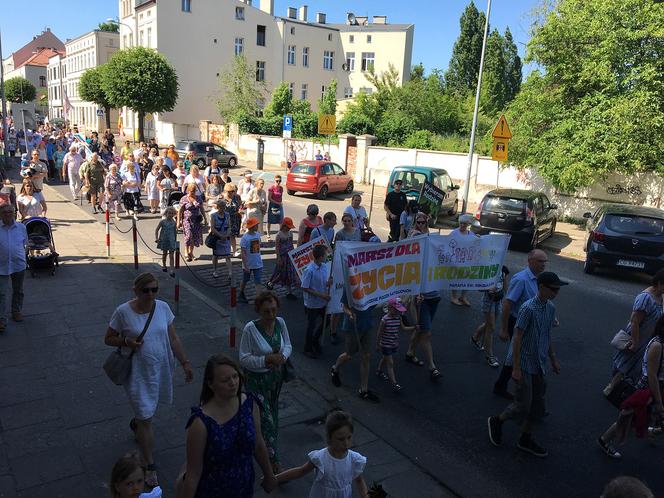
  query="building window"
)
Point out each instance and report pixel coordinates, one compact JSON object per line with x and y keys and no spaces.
{"x":305,"y":56}
{"x":291,"y":89}
{"x":186,"y":5}
{"x":260,"y":70}
{"x":131,"y":39}
{"x":329,"y":37}
{"x":348,"y":92}
{"x":368,"y":60}
{"x":291,"y":55}
{"x":328,"y":60}
{"x":260,"y":35}
{"x":239,"y":46}
{"x":303,"y":93}
{"x":124,"y":41}
{"x":239,"y":13}
{"x":322,"y":91}
{"x":292,"y":31}
{"x":350,"y":61}
{"x":141,"y":38}
{"x":368,"y":38}
{"x":351,"y":39}
{"x":149,"y":37}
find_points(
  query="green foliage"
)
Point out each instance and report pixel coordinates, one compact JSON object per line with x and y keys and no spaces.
{"x":240,"y":93}
{"x":111,"y":27}
{"x":281,"y":102}
{"x":461,"y":75}
{"x":420,"y":139}
{"x":599,"y":106}
{"x":90,"y":89}
{"x":394,"y":127}
{"x":328,"y":103}
{"x":417,"y":72}
{"x":305,"y":121}
{"x":356,"y":124}
{"x":19,"y":90}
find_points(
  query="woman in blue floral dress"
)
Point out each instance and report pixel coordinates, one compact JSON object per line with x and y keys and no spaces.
{"x":223,"y":437}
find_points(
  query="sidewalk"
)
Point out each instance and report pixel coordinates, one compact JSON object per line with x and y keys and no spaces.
{"x":62,"y":422}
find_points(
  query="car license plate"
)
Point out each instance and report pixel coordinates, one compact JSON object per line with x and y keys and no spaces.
{"x":301,"y":180}
{"x":631,"y":264}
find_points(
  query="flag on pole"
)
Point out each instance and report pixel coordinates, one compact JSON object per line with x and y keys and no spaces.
{"x":66,"y":105}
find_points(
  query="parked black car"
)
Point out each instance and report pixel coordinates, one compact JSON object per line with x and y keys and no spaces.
{"x":200,"y":150}
{"x":625,"y":236}
{"x":528,"y":216}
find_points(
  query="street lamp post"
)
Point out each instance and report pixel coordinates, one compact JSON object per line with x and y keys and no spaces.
{"x":466,"y":187}
{"x":5,"y":127}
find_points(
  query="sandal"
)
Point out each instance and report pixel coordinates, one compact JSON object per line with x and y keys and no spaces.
{"x":456,"y":302}
{"x":435,"y":374}
{"x":477,"y":343}
{"x":396,"y":387}
{"x":411,"y":358}
{"x":381,"y":375}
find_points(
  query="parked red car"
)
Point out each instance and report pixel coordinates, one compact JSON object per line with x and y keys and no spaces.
{"x":318,"y":177}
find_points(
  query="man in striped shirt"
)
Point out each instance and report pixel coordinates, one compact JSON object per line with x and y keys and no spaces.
{"x":529,"y":349}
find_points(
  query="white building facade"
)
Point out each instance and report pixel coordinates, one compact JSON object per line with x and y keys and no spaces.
{"x":64,"y":74}
{"x":200,"y":38}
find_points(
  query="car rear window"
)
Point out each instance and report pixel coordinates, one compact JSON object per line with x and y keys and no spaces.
{"x":183,"y":145}
{"x":634,"y":225}
{"x":504,"y":204}
{"x":411,"y":180}
{"x":304,"y":169}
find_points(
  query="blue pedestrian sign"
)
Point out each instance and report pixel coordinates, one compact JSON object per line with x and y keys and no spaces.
{"x":100,"y":112}
{"x":288,"y":126}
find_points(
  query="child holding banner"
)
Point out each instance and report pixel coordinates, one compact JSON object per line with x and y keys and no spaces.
{"x":465,"y":221}
{"x":388,"y":339}
{"x":315,"y":287}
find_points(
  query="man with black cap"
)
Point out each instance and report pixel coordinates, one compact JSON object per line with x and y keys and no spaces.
{"x":395,"y":203}
{"x":529,"y":348}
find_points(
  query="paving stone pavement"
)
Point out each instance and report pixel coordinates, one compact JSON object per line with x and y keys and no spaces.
{"x":62,"y":422}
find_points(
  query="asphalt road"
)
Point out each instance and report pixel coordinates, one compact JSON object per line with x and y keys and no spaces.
{"x":442,"y":426}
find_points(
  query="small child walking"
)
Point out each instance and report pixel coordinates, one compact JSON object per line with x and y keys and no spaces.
{"x":220,"y":227}
{"x":166,"y":238}
{"x":388,"y":339}
{"x":284,"y":271}
{"x":337,"y":466}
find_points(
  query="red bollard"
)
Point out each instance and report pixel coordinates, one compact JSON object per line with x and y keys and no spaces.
{"x":231,"y":336}
{"x":108,"y":232}
{"x":177,"y":278}
{"x":135,"y":237}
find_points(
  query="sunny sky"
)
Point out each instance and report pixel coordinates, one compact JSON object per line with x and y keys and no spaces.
{"x":436,"y":28}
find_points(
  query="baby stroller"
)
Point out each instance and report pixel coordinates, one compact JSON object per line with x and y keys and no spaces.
{"x":40,"y":253}
{"x":174,"y":198}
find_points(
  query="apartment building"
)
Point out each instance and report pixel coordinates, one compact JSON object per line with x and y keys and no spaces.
{"x":200,"y":38}
{"x":64,"y":74}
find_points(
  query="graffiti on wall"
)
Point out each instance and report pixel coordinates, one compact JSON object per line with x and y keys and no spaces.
{"x":618,"y":189}
{"x":218,"y":134}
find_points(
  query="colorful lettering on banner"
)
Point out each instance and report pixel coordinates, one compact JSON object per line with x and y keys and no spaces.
{"x":374,"y":273}
{"x":464,"y":262}
{"x":302,"y":255}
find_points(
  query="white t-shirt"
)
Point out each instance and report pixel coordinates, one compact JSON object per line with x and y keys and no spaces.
{"x":198,"y":181}
{"x":32,"y":206}
{"x":151,"y":186}
{"x":358,"y":215}
{"x":251,"y":243}
{"x":128,"y":177}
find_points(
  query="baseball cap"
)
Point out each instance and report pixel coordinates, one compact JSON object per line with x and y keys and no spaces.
{"x":288,"y":222}
{"x":252,"y":222}
{"x":468,"y":219}
{"x":396,"y":303}
{"x":550,"y":279}
{"x":248,"y":173}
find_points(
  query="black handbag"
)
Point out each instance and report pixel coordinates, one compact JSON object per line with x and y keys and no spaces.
{"x":117,"y":366}
{"x":211,"y":240}
{"x":623,"y":390}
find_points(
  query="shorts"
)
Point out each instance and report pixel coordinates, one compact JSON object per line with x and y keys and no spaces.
{"x":528,"y":398}
{"x":258,"y":275}
{"x":388,"y":351}
{"x":428,"y":309}
{"x":353,"y":347}
{"x":489,"y":305}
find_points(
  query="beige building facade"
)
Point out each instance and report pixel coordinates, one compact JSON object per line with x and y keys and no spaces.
{"x":64,"y":74}
{"x":200,"y":38}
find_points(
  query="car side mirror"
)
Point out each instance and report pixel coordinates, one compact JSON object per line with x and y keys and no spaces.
{"x":587,"y":215}
{"x":553,"y":206}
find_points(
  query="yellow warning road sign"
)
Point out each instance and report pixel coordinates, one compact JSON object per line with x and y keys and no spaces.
{"x":327,"y":124}
{"x":499,"y":150}
{"x":502,"y":129}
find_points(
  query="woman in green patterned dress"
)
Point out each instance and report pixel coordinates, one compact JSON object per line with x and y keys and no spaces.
{"x":264,"y":348}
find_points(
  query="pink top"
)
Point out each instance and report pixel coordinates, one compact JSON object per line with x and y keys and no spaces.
{"x":277,"y":192}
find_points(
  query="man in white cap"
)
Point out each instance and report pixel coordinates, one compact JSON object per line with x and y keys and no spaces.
{"x":13,"y":241}
{"x":465,"y":222}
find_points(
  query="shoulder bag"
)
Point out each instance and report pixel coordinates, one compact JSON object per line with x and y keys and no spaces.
{"x":621,"y":340}
{"x":117,"y":366}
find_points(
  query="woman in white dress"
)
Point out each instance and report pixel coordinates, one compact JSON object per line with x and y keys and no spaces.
{"x":151,"y":188}
{"x":151,"y":378}
{"x":28,"y":204}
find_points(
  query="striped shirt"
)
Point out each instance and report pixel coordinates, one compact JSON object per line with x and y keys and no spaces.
{"x":643,"y":382}
{"x":535,"y":319}
{"x":391,"y":328}
{"x":523,"y":286}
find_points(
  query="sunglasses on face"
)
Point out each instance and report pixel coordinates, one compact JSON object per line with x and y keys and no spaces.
{"x":420,"y":222}
{"x":278,"y":181}
{"x":153,"y":290}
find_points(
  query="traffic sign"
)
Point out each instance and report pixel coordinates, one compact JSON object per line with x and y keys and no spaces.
{"x":502,"y":129}
{"x":288,"y":126}
{"x":499,"y":150}
{"x":327,"y":124}
{"x":100,"y":112}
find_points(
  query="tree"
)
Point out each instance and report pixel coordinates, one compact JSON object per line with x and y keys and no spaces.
{"x":281,"y":102}
{"x":141,"y":79}
{"x":90,"y":89}
{"x":461,"y":75}
{"x":328,"y":103}
{"x":240,"y":93}
{"x":19,"y":90}
{"x":111,"y":27}
{"x":417,"y":72}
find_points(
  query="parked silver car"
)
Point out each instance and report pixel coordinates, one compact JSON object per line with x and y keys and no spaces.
{"x":205,"y":152}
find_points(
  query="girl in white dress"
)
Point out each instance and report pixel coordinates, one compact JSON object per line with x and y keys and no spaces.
{"x":337,"y":467}
{"x":151,"y":189}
